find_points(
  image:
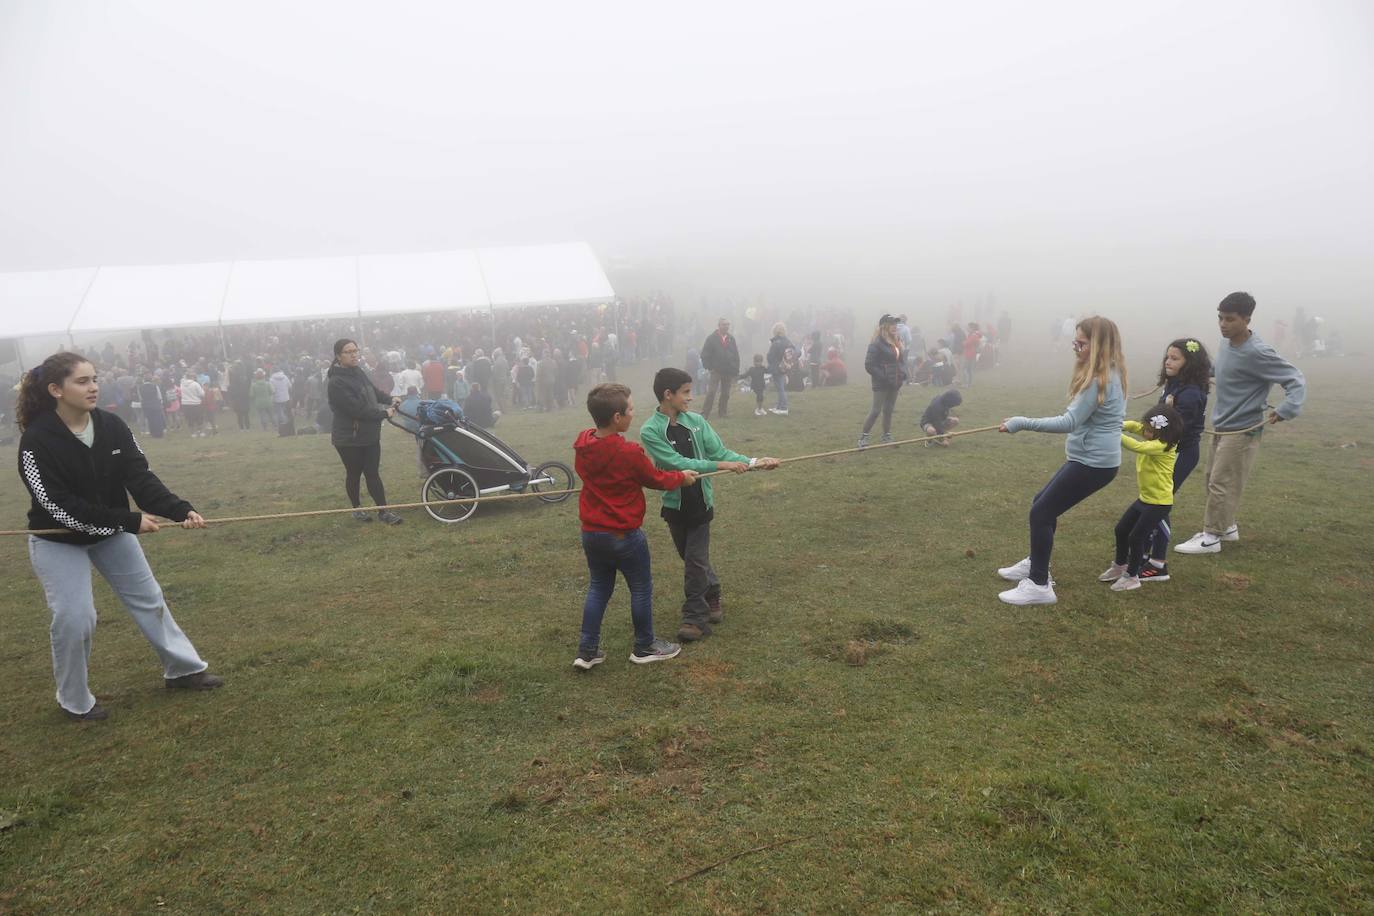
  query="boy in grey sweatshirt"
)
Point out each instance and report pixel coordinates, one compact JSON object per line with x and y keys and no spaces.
{"x":1245,"y":369}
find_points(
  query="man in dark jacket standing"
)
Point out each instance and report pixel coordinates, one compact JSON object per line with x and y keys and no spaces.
{"x":720,"y":357}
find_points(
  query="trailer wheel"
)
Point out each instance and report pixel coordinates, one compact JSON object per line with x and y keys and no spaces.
{"x":449,"y":484}
{"x":560,"y":485}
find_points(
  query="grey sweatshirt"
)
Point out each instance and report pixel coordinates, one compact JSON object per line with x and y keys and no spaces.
{"x":1094,"y":430}
{"x":1243,"y":376}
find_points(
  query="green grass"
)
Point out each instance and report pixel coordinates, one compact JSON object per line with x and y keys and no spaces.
{"x":402,"y":728}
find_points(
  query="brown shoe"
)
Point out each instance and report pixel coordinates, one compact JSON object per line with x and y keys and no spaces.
{"x":716,"y":614}
{"x":691,"y":632}
{"x":201,"y":680}
{"x":96,"y":713}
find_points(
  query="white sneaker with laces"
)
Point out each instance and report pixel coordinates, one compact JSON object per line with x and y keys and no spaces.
{"x":1200,"y":543}
{"x":1027,"y":592}
{"x":1232,"y":533}
{"x":1126,"y":583}
{"x":778,"y":411}
{"x":1016,"y":572}
{"x":1113,"y":573}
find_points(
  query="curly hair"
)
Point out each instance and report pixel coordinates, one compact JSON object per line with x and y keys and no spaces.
{"x":1197,"y":364}
{"x":33,"y":389}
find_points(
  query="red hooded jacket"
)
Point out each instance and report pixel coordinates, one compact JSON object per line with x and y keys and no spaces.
{"x":614,"y":472}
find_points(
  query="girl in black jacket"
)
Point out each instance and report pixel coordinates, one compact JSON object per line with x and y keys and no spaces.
{"x":79,"y":464}
{"x":886,"y":364}
{"x":359,"y":408}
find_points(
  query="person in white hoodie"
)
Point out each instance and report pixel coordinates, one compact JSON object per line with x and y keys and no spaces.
{"x":281,"y":396}
{"x":192,"y":404}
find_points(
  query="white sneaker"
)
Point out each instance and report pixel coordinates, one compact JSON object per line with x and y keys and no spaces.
{"x":1202,"y":542}
{"x":778,"y":411}
{"x":1232,"y":533}
{"x":1027,"y":592}
{"x":1113,"y":573}
{"x":1015,"y":572}
{"x":1126,"y":583}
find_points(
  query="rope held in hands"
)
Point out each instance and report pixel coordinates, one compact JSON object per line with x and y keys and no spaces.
{"x":166,"y":523}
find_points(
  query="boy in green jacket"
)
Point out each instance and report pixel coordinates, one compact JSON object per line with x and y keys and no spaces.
{"x":679,"y":440}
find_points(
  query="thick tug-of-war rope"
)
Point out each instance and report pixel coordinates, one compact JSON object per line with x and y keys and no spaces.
{"x":168,"y":524}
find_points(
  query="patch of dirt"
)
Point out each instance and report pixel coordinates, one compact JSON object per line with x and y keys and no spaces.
{"x":1235,"y":581}
{"x":711,"y":674}
{"x":1269,"y":724}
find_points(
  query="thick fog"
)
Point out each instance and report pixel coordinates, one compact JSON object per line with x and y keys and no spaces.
{"x":1062,"y":157}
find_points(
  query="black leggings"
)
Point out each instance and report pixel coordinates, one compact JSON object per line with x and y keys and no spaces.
{"x":362,"y":461}
{"x":1183,"y":466}
{"x":883,"y":402}
{"x":1070,"y":485}
{"x":1133,"y":532}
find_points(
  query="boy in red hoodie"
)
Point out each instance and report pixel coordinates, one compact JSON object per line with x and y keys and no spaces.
{"x":613,"y":471}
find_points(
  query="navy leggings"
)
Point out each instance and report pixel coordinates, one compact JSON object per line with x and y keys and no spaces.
{"x":1183,"y":466}
{"x":1070,"y":485}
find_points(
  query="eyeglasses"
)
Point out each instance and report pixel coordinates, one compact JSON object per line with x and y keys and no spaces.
{"x":352,"y":352}
{"x":1079,"y":346}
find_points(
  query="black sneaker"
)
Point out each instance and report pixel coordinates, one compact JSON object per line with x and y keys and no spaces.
{"x":201,"y":680}
{"x":661,"y":650}
{"x":587,"y":659}
{"x":96,"y":713}
{"x":391,"y":518}
{"x":1152,"y":573}
{"x":360,"y":516}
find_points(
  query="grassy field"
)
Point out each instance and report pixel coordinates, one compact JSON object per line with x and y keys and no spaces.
{"x":402,"y":728}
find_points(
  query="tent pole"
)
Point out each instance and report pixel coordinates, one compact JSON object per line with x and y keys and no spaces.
{"x":71,"y":338}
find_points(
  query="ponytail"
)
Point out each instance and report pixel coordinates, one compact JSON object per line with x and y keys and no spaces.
{"x":33,"y":389}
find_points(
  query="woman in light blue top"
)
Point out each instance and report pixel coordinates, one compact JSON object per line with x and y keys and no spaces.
{"x":1097,"y":406}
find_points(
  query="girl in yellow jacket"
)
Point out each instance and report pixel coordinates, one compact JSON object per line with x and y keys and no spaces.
{"x":1160,"y":431}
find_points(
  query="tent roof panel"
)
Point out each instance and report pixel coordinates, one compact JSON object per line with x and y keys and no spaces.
{"x":289,"y":290}
{"x":550,"y":274}
{"x":40,"y":302}
{"x":172,"y":295}
{"x":432,"y":281}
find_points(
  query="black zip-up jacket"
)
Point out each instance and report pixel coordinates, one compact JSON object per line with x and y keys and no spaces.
{"x":885,"y":366}
{"x":86,"y":490}
{"x":718,"y":357}
{"x":359,"y":407}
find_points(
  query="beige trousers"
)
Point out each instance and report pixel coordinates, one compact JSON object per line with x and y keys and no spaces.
{"x":1228,"y":467}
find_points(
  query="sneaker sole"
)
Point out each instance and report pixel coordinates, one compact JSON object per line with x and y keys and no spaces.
{"x":1198,"y":551}
{"x":647,"y":659}
{"x":1144,"y":579}
{"x":582,"y":665}
{"x":1054,"y":600}
{"x":1012,"y":577}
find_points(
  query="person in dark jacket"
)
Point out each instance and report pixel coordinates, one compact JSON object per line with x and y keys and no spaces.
{"x":80,"y":465}
{"x":478,"y":408}
{"x":1186,"y":374}
{"x":240,"y":386}
{"x":937,"y":419}
{"x":359,"y":408}
{"x":720,"y":357}
{"x":778,"y":345}
{"x":150,"y":396}
{"x":887,"y":367}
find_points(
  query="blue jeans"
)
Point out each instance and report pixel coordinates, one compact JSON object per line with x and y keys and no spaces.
{"x":1070,"y":485}
{"x":607,"y":554}
{"x":781,"y":378}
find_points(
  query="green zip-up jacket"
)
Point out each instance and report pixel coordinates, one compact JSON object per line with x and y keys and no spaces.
{"x":653,"y":435}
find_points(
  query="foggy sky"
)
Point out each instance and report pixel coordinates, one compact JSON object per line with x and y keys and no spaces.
{"x":1063,"y":155}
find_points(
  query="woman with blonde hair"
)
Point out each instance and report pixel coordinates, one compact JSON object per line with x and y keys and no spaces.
{"x":886,"y":364}
{"x":778,"y":346}
{"x":1097,"y":406}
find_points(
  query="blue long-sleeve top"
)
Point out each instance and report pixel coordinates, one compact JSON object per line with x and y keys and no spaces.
{"x":1243,"y":376}
{"x":1094,"y":429}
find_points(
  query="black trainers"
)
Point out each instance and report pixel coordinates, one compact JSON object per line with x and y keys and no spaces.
{"x":587,"y":659}
{"x":201,"y":680}
{"x":360,"y":516}
{"x":391,"y":518}
{"x":661,"y":650}
{"x":1152,"y":573}
{"x":96,"y":713}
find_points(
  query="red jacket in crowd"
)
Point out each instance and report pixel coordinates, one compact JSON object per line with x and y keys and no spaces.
{"x":613,"y":471}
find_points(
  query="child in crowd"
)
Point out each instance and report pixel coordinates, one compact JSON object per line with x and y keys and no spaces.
{"x":611,"y":507}
{"x":758,"y":383}
{"x":937,"y":420}
{"x":1185,"y":375}
{"x":679,"y":440}
{"x":1156,"y":452}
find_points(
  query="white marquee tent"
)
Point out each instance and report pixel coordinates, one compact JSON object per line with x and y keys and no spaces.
{"x":68,"y":303}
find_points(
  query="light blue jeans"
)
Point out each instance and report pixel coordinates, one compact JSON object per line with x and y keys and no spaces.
{"x":65,"y":572}
{"x":781,"y":378}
